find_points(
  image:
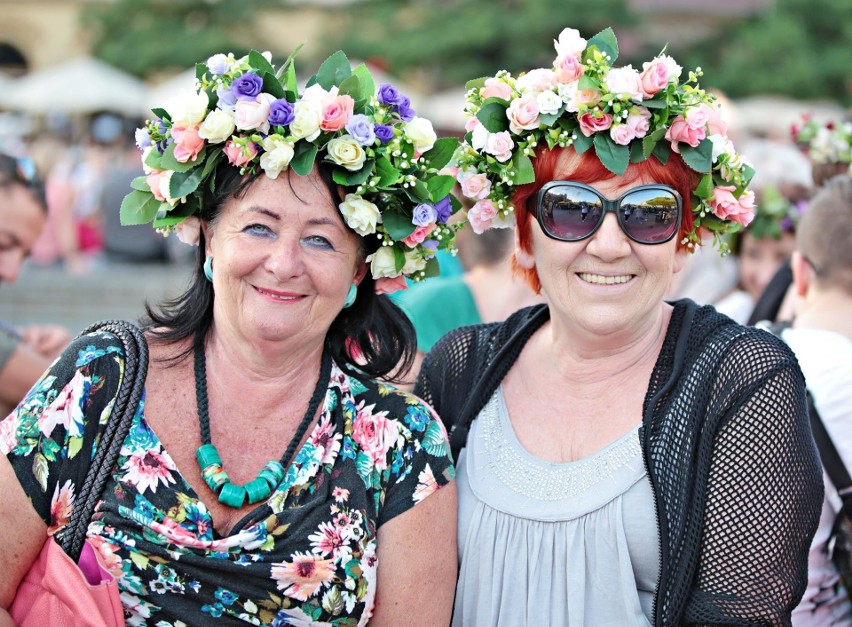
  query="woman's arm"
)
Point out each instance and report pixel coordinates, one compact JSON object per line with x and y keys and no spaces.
{"x":417,"y":563}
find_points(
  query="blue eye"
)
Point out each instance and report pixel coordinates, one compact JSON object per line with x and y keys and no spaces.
{"x":258,"y":229}
{"x":319,"y":241}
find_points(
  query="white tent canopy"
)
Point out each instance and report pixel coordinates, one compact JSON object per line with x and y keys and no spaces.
{"x":82,"y":85}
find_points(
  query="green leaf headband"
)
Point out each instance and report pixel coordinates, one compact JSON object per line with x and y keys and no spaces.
{"x":248,"y":113}
{"x":624,"y":115}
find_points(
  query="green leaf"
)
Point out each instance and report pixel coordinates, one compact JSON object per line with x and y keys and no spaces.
{"x":432,"y":268}
{"x":304,"y":157}
{"x":637,"y":154}
{"x":606,"y":42}
{"x":614,"y":157}
{"x":398,"y":225}
{"x":351,"y":86}
{"x":582,"y":143}
{"x":748,"y":173}
{"x":168,"y":161}
{"x":388,"y":175}
{"x":161,"y":113}
{"x":399,"y":258}
{"x":184,"y":183}
{"x":523,"y":167}
{"x":200,"y":70}
{"x":272,"y":86}
{"x":344,"y":177}
{"x":705,"y":187}
{"x":441,"y":153}
{"x":699,"y":158}
{"x":259,"y":63}
{"x":138,"y":208}
{"x":155,"y":160}
{"x":140,"y":183}
{"x":333,"y":70}
{"x":434,"y":441}
{"x":74,"y":446}
{"x":550,"y":118}
{"x":211,"y":163}
{"x":40,"y":470}
{"x":476,"y":83}
{"x":662,"y":151}
{"x":418,"y":192}
{"x":440,"y":186}
{"x":492,"y":114}
{"x":587,"y":82}
{"x":368,"y":85}
{"x":649,"y":141}
{"x":655,"y":104}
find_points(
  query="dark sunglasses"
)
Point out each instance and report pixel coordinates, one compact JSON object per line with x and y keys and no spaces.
{"x":569,"y":211}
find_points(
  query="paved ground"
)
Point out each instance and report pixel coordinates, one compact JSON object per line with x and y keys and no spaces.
{"x":107,"y":290}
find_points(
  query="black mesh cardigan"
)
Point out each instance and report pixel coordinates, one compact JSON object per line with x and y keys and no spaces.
{"x":728,"y":448}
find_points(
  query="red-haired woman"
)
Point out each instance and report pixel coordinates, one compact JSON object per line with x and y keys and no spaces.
{"x":623,"y":460}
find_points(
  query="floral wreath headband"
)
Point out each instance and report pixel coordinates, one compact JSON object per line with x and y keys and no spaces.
{"x":252,"y":115}
{"x":778,"y":214}
{"x":825,"y":143}
{"x":625,"y":115}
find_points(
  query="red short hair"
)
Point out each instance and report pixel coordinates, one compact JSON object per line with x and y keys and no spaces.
{"x":588,"y":169}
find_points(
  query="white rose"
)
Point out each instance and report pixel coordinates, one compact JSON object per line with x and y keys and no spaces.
{"x":307,"y":116}
{"x":188,"y":108}
{"x":479,"y":137}
{"x":569,"y":43}
{"x":360,"y":215}
{"x":279,"y":153}
{"x":253,"y":114}
{"x":549,"y":102}
{"x":419,"y":131}
{"x":568,"y":93}
{"x":347,"y":152}
{"x":624,"y":82}
{"x":147,"y":169}
{"x":218,"y":126}
{"x":536,"y":80}
{"x":316,"y":93}
{"x":383,"y":263}
{"x":164,"y":182}
{"x":413,"y":263}
{"x":500,"y":145}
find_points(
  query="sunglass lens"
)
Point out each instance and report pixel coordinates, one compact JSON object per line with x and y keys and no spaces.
{"x":570,"y":213}
{"x":649,"y":215}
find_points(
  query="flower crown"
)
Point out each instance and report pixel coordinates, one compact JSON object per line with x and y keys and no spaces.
{"x":825,"y":143}
{"x":244,"y":111}
{"x":777,"y":215}
{"x":625,"y":115}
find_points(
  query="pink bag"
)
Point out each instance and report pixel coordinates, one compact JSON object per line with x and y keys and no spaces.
{"x":58,"y":592}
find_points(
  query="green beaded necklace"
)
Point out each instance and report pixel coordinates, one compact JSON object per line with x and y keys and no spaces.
{"x":260,"y":488}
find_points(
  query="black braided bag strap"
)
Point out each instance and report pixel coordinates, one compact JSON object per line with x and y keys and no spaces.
{"x":124,"y":407}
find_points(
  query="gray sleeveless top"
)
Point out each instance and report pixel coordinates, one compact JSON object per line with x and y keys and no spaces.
{"x":542,"y":543}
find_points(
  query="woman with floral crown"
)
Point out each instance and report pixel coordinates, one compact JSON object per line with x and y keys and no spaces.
{"x":267,"y":477}
{"x":623,"y":460}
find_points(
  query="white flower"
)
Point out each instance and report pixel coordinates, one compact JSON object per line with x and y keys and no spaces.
{"x":360,"y":215}
{"x":721,"y":145}
{"x":624,"y":82}
{"x":217,"y":126}
{"x":307,"y":116}
{"x":165,"y":181}
{"x":568,"y":93}
{"x":413,"y":262}
{"x":188,"y":108}
{"x":347,"y":152}
{"x":147,"y":169}
{"x":479,"y":137}
{"x":500,"y":145}
{"x":383,"y":263}
{"x":536,"y":81}
{"x":279,"y":153}
{"x":419,"y":131}
{"x":549,"y":102}
{"x":253,"y":114}
{"x":569,"y":43}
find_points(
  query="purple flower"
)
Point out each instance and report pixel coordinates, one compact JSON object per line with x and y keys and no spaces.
{"x":384,"y":133}
{"x":247,"y":86}
{"x":227,"y":98}
{"x":281,"y":112}
{"x":404,"y":110}
{"x":424,"y":215}
{"x":388,"y":95}
{"x":143,"y":139}
{"x":217,"y":64}
{"x":430,"y":244}
{"x":444,"y":209}
{"x":361,"y":129}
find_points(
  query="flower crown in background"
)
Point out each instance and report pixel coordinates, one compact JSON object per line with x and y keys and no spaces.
{"x":247,"y":113}
{"x":625,"y":115}
{"x":825,"y":143}
{"x":777,"y":215}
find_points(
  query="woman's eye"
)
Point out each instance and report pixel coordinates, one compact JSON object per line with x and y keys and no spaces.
{"x":257,"y":229}
{"x":319,"y":241}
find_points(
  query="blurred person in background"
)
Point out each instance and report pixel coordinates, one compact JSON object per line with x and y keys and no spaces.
{"x":268,"y":477}
{"x":623,"y":460}
{"x":25,"y":353}
{"x":821,"y":337}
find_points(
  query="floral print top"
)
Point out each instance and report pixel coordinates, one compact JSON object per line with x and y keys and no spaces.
{"x":307,"y":556}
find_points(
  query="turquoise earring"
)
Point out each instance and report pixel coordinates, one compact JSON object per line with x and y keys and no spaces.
{"x":208,"y":268}
{"x":350,"y":297}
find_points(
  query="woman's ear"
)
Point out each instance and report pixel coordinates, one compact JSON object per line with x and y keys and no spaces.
{"x":360,"y":272}
{"x":802,"y":273}
{"x":523,"y":258}
{"x":205,"y":232}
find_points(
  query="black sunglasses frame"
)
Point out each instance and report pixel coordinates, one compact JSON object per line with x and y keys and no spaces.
{"x":608,"y":206}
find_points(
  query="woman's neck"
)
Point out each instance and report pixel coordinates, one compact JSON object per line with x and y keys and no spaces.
{"x":826,"y":310}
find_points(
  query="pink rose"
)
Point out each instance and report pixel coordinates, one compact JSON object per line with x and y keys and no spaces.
{"x":655,"y":77}
{"x":624,"y":81}
{"x":716,"y":125}
{"x":419,"y":234}
{"x":622,"y":134}
{"x":187,"y":143}
{"x":589,"y":124}
{"x":639,"y":119}
{"x":375,"y":434}
{"x":253,"y":114}
{"x":539,"y":79}
{"x":153,"y":180}
{"x":697,"y":117}
{"x":389,"y":285}
{"x":240,"y":155}
{"x":474,"y":185}
{"x":481,"y":216}
{"x":568,"y":69}
{"x":449,"y":170}
{"x":587,"y":97}
{"x":189,"y":231}
{"x":681,"y":131}
{"x":727,"y":207}
{"x":336,"y":113}
{"x":500,"y":145}
{"x":523,"y":114}
{"x":495,"y":88}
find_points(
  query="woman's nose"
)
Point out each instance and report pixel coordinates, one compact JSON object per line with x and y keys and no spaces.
{"x":609,"y":241}
{"x":285,"y":259}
